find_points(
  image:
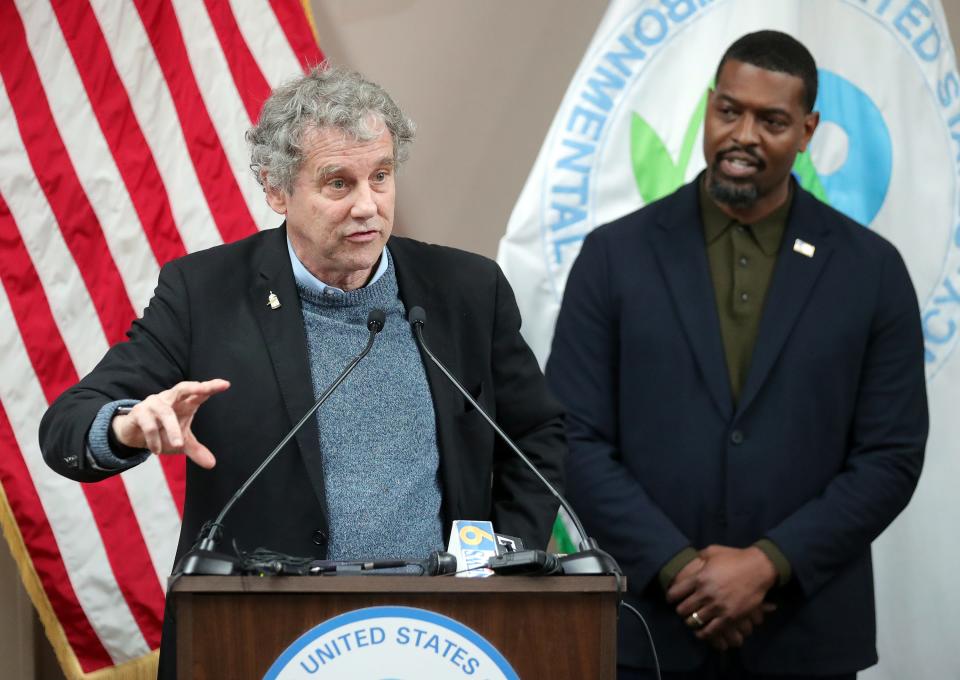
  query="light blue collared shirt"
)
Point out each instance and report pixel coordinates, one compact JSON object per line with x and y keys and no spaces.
{"x":312,"y":283}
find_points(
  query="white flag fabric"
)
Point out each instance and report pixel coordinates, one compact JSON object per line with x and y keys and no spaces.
{"x":887,"y":153}
{"x":121,"y":147}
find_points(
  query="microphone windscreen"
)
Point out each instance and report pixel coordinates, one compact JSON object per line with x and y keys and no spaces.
{"x":376,"y":319}
{"x":440,"y":563}
{"x":416,"y":315}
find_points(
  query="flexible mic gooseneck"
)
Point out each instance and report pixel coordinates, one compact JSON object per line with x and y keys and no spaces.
{"x":201,"y":559}
{"x":590,"y":559}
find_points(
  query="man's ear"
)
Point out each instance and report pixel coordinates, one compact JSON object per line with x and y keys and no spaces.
{"x":810,"y":123}
{"x":276,"y":198}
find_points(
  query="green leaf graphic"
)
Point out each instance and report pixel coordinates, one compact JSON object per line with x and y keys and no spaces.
{"x":808,"y":177}
{"x":654,"y":170}
{"x":563,"y":543}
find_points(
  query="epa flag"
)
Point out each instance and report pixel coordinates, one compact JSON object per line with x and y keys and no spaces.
{"x":887,"y":153}
{"x":121,"y":147}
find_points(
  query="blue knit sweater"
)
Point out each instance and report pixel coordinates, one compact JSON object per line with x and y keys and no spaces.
{"x":378,"y":432}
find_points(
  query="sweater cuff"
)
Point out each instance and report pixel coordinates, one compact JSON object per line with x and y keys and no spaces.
{"x":676,"y":564}
{"x":103,"y":452}
{"x":780,"y":561}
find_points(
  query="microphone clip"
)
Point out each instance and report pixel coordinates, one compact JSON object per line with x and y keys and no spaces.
{"x":528,"y":562}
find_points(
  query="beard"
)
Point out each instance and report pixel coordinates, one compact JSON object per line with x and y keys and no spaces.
{"x":735,"y":194}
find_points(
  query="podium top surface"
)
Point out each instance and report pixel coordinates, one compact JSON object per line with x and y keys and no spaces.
{"x":394,"y":583}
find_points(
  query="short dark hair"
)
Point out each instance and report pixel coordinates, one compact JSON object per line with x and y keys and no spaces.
{"x":776,"y":51}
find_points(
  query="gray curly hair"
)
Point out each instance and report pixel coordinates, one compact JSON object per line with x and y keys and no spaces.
{"x":325,"y":97}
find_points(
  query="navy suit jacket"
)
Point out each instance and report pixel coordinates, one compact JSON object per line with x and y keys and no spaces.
{"x":820,"y":453}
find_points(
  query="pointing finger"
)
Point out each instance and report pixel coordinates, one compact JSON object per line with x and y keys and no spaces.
{"x":188,"y":388}
{"x":199,"y":453}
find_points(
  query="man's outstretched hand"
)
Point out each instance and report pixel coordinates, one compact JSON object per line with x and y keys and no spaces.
{"x":161,"y":422}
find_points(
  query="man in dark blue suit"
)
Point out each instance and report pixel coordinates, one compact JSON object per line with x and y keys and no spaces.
{"x":743,"y":371}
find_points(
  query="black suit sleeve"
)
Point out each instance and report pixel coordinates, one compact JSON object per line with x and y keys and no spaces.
{"x":886,"y":443}
{"x":152,"y":359}
{"x":584,"y":373}
{"x":522,"y":506}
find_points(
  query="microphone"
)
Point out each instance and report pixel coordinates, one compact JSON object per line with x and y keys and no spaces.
{"x":590,"y":559}
{"x":201,"y":559}
{"x":438,"y":563}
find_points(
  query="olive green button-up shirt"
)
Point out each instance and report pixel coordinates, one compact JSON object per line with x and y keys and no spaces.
{"x":742,"y":258}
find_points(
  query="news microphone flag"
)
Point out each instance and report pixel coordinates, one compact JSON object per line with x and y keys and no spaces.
{"x":472,"y":543}
{"x":121,"y":147}
{"x":629,"y":131}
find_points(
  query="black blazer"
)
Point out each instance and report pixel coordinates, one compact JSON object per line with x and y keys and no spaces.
{"x":821,"y":452}
{"x":209,"y":318}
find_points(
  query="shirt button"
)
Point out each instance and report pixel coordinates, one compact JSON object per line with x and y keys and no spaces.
{"x":743,"y":260}
{"x":736,"y":437}
{"x":319,"y":537}
{"x":741,"y":228}
{"x":744,"y":297}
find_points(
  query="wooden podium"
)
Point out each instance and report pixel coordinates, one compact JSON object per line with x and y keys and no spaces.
{"x":546,"y":627}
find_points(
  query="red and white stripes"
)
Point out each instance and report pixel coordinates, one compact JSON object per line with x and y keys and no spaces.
{"x":121,"y":147}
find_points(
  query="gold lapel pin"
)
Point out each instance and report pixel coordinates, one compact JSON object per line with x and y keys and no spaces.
{"x":273,"y":301}
{"x":804,"y":248}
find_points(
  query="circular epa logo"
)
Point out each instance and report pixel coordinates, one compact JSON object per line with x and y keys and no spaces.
{"x":886,"y":153}
{"x":391,"y":643}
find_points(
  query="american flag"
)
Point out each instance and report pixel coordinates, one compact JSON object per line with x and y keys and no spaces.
{"x":121,"y":147}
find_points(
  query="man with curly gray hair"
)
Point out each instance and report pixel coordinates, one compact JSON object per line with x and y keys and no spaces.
{"x":239,"y":340}
{"x":324,"y":98}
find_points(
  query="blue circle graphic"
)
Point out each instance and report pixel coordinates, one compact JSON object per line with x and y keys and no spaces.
{"x":859,"y":187}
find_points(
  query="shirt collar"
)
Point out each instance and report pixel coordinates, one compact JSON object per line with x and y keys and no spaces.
{"x":312,"y":283}
{"x":767,"y":231}
{"x":715,"y":221}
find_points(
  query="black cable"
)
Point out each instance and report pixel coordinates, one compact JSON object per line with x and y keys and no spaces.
{"x":263,"y":562}
{"x":646,"y":628}
{"x":417,"y":318}
{"x":464,"y":571}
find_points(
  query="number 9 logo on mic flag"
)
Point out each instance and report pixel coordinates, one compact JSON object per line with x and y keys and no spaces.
{"x":471,"y":534}
{"x":473,"y":543}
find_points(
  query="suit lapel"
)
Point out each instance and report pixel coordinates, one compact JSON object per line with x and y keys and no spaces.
{"x":681,"y":253}
{"x":285,"y":340}
{"x":790,"y":288}
{"x":418,"y":289}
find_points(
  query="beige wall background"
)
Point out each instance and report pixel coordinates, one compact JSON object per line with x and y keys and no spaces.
{"x":483,"y":81}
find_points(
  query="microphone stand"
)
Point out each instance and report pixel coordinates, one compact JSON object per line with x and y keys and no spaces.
{"x":589,"y":559}
{"x":201,"y":559}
